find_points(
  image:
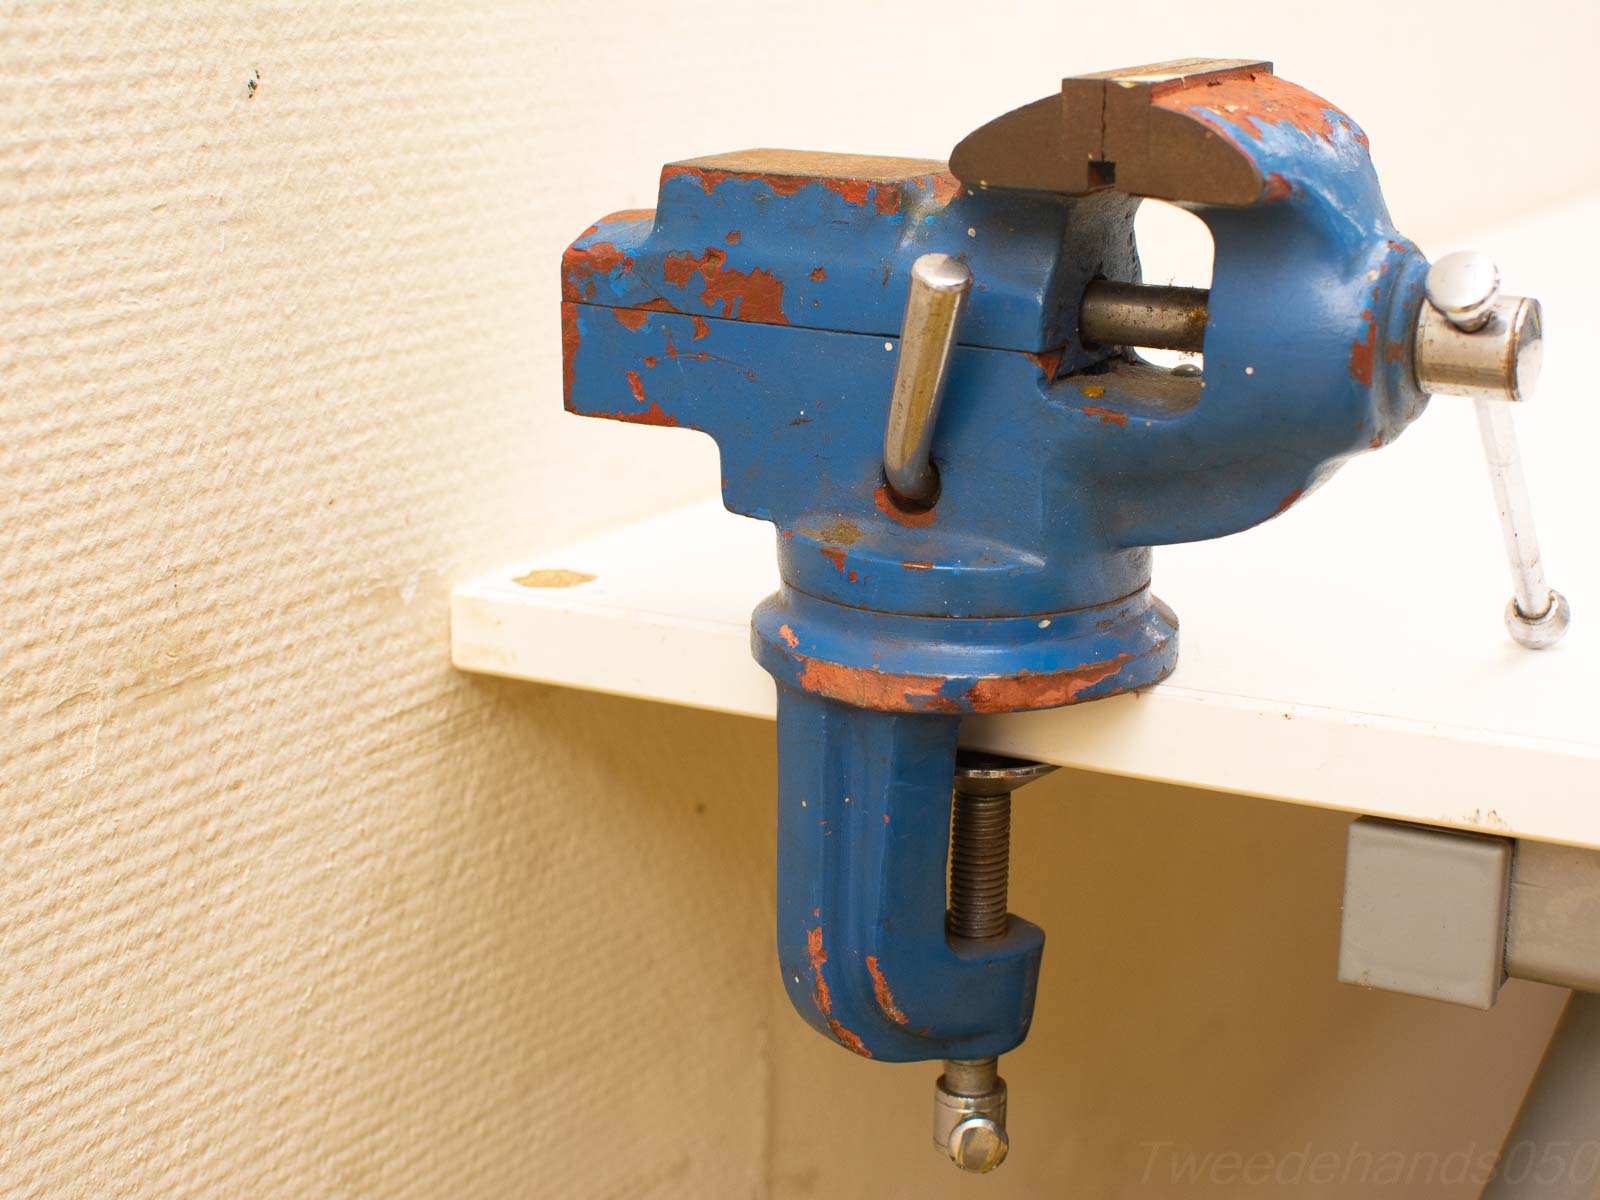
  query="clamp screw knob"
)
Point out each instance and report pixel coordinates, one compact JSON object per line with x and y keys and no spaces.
{"x":978,"y":1145}
{"x":1464,"y":286}
{"x":969,"y":1114}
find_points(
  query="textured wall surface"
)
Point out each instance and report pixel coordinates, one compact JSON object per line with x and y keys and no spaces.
{"x":289,"y":908}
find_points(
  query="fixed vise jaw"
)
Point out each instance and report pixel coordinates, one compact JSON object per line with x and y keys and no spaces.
{"x":761,"y":302}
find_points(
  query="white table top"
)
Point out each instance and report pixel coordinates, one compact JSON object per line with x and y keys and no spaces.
{"x":1349,"y":654}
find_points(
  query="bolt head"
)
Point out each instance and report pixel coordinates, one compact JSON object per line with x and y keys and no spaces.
{"x":1463,"y":286}
{"x":978,"y":1144}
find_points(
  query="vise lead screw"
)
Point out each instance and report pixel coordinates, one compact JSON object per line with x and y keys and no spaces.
{"x":969,"y":1099}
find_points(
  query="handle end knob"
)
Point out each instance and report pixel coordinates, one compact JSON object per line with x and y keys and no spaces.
{"x":1464,"y":286}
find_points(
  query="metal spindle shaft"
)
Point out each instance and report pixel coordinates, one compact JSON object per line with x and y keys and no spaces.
{"x":1112,"y":314}
{"x":971,"y":1076}
{"x":1136,"y":314}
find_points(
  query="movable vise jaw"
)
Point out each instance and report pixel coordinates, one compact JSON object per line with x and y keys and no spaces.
{"x":923,"y":377}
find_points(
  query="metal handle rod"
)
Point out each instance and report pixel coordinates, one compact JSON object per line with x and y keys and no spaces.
{"x":1532,"y":594}
{"x":1537,"y":616}
{"x":1472,"y":341}
{"x":940,"y":285}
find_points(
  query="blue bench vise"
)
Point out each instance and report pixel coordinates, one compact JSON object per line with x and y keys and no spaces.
{"x":924,"y":376}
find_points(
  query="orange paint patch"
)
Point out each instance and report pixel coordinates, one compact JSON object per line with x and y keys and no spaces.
{"x":709,"y":180}
{"x":790,"y":639}
{"x":1240,"y":106}
{"x":1108,"y":416}
{"x":636,"y":386}
{"x":1362,"y":352}
{"x":945,"y":187}
{"x":701,"y":329}
{"x":835,"y":555}
{"x":753,"y":295}
{"x":630,"y":318}
{"x":905,"y":516}
{"x":815,"y":957}
{"x":1278,"y":188}
{"x":875,"y":689}
{"x":1288,"y":500}
{"x":652,"y":415}
{"x":733,"y":237}
{"x":1049,"y":362}
{"x":880,"y":989}
{"x":885,"y":196}
{"x":579,"y":266}
{"x":848,"y":1040}
{"x":1049,"y":690}
{"x":1376,"y":443}
{"x":650,"y":361}
{"x":819,"y":275}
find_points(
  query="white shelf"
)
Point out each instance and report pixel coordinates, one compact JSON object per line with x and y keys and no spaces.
{"x":1348,"y":655}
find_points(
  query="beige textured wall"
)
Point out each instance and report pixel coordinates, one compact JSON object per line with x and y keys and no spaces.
{"x":287,"y":907}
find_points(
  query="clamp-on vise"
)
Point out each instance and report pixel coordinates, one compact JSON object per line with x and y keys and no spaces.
{"x":923,"y":376}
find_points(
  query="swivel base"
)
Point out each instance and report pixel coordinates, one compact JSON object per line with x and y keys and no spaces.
{"x":894,"y":663}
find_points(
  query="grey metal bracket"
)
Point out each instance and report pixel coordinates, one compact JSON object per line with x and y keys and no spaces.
{"x":1450,"y":916}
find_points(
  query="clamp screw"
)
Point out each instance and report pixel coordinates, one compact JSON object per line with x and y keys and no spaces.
{"x":969,"y":1099}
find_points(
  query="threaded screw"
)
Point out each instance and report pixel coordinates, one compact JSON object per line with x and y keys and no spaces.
{"x":969,"y":1099}
{"x":980,"y":860}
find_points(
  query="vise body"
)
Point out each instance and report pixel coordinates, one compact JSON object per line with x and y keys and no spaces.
{"x":1001,"y":560}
